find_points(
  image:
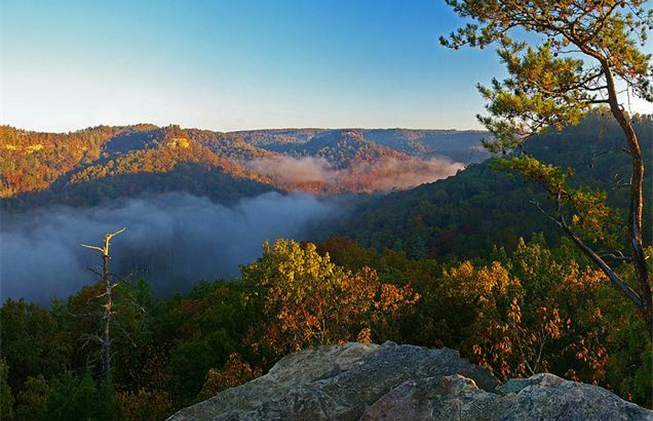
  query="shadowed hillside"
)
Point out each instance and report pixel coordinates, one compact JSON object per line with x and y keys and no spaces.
{"x":466,"y":215}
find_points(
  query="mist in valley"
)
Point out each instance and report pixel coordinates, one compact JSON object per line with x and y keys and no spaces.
{"x":172,"y":240}
{"x":383,"y":175}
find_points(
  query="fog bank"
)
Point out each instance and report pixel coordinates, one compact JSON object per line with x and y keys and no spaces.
{"x":173,"y":240}
{"x":388,"y":173}
{"x":295,"y":170}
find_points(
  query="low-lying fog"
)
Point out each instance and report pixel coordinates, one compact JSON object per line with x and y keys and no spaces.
{"x":384,"y":175}
{"x":173,"y":240}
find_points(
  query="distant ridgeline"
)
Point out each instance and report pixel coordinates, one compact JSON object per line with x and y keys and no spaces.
{"x":466,"y":215}
{"x":93,"y":165}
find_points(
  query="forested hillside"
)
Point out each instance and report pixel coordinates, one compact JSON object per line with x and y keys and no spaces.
{"x":103,"y":163}
{"x":99,"y":164}
{"x":465,"y":216}
{"x":461,"y":146}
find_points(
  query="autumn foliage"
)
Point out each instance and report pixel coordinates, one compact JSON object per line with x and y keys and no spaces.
{"x":234,"y":373}
{"x":537,"y":308}
{"x":310,"y":301}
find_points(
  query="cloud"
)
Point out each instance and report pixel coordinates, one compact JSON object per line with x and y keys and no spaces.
{"x":173,"y":240}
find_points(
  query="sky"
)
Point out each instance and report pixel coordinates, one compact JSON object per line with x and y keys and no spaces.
{"x":236,"y":65}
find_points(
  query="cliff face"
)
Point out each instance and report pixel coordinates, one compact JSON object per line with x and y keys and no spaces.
{"x":402,"y":382}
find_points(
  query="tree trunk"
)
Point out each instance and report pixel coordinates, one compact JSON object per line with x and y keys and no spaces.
{"x":106,"y":331}
{"x":636,"y":201}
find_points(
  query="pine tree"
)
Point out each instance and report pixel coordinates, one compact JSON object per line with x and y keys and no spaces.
{"x":583,"y":53}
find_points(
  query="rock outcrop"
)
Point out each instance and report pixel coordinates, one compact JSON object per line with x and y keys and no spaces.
{"x":402,"y":382}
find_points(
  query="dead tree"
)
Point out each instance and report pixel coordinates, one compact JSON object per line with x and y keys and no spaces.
{"x":106,"y":278}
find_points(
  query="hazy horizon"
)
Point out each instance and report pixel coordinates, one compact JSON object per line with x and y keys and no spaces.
{"x":443,"y":129}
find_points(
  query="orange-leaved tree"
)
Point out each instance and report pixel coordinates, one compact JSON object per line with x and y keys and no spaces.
{"x":308,"y":300}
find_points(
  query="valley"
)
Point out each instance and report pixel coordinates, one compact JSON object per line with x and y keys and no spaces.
{"x":301,"y":210}
{"x":198,"y":204}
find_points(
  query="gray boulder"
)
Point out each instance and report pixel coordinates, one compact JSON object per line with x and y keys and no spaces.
{"x":402,"y":382}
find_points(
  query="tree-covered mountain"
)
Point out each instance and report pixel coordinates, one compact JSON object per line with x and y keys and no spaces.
{"x":461,"y":146}
{"x":87,"y":166}
{"x":342,"y":148}
{"x":466,"y":215}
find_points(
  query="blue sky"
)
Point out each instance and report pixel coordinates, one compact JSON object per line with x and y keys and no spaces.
{"x":229,"y":65}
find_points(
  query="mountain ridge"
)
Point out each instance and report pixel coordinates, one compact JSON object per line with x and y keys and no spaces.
{"x":41,"y":168}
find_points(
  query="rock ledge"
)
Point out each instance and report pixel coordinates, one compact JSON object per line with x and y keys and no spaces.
{"x":402,"y":382}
